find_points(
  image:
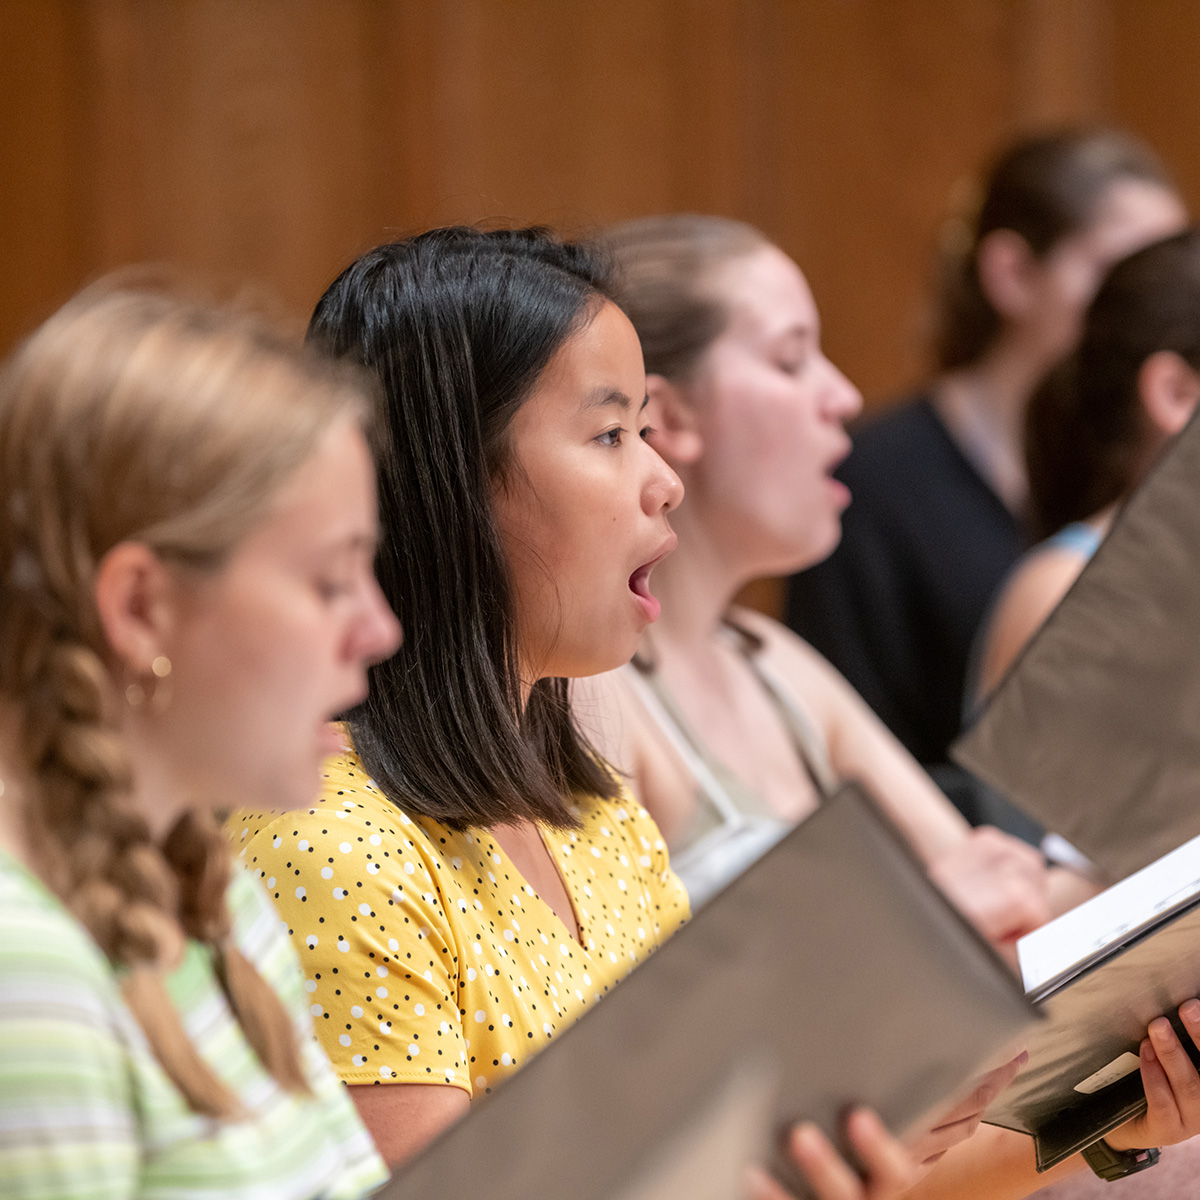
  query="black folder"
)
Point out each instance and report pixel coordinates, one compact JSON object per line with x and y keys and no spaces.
{"x":833,"y":967}
{"x":1099,"y":994}
{"x":1095,"y":731}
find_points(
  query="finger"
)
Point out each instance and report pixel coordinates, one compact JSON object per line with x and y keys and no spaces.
{"x":890,"y":1167}
{"x":828,"y":1173}
{"x":947,"y":1135}
{"x":986,"y":1089}
{"x":763,"y":1187}
{"x":1185,"y":1083}
{"x":1161,"y":1110}
{"x":1189,"y":1014}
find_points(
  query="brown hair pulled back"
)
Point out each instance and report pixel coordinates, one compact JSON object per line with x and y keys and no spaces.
{"x":135,"y":415}
{"x":1086,"y":433}
{"x":1044,"y":188}
{"x":664,"y":271}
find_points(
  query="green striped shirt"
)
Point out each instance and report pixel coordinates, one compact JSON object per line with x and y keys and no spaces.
{"x":85,"y":1109}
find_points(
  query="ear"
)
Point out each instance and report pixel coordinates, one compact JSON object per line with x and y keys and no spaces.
{"x":676,"y":435}
{"x":1168,"y":389}
{"x":1006,"y":267}
{"x":135,"y":599}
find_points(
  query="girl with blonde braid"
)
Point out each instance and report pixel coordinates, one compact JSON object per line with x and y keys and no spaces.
{"x":187,"y":526}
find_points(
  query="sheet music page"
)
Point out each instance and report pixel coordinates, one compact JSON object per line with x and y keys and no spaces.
{"x":1111,"y":916}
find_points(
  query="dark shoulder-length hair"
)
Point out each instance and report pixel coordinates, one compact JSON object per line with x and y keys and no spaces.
{"x":458,"y":325}
{"x":1086,"y":432}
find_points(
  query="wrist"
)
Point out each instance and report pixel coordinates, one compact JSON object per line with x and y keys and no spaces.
{"x":1120,"y":1140}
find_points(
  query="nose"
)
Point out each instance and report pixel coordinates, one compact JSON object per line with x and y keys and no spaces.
{"x":844,"y":400}
{"x":663,"y":489}
{"x":378,"y":632}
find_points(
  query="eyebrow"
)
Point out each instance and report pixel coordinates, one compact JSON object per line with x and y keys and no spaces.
{"x":605,"y":396}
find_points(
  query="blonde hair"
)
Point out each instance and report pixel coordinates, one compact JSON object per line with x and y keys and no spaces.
{"x":137,"y":415}
{"x":663,"y":280}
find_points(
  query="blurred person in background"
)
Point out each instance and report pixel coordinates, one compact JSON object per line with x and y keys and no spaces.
{"x":938,"y":483}
{"x":730,"y":727}
{"x":1095,"y":428}
{"x":186,"y":597}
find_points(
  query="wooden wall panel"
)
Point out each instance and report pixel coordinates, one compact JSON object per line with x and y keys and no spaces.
{"x":270,"y":140}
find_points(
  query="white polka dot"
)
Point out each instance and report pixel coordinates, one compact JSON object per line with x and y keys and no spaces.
{"x":311,"y":941}
{"x":356,"y":1010}
{"x":481,"y":1081}
{"x":310,"y":985}
{"x":381,"y":972}
{"x":302,"y":844}
{"x":372,"y":868}
{"x":506,"y":1021}
{"x":547,"y":1027}
{"x":386,"y":1072}
{"x":506,"y":1059}
{"x":508,"y":935}
{"x":480,"y":1016}
{"x":381,"y":992}
{"x":445,"y":1027}
{"x":456,"y":863}
{"x":495,"y":859}
{"x":344,"y":1039}
{"x":375,"y":839}
{"x":300,"y":893}
{"x":365,"y":909}
{"x":409,"y":869}
{"x":427,"y":976}
{"x":644,"y":861}
{"x":419,"y":1009}
{"x":471,"y":973}
{"x":385,"y":1027}
{"x":359,"y":1060}
{"x":413,"y":1049}
{"x":339,"y":893}
{"x":345,"y":847}
{"x":271,"y":882}
{"x":316,"y":1010}
{"x":621,"y":884}
{"x":641,"y":933}
{"x":563,"y":950}
{"x":326,"y":872}
{"x":343,"y":945}
{"x":277,"y":841}
{"x":595,"y":852}
{"x":393,"y":945}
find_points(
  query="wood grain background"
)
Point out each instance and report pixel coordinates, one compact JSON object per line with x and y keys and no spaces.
{"x":268,"y":141}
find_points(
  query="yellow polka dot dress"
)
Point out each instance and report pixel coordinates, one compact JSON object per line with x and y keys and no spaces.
{"x":428,"y":957}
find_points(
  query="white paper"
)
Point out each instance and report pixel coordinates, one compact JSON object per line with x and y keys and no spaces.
{"x":1111,"y":917}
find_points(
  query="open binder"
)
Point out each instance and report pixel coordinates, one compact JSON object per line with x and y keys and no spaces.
{"x":1095,"y":731}
{"x":832,"y":972}
{"x":1100,"y":974}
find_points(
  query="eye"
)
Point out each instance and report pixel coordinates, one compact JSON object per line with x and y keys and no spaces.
{"x":792,"y":366}
{"x":647,"y":432}
{"x":610,"y":437}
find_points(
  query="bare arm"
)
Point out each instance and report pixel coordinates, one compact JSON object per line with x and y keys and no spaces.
{"x":403,"y":1118}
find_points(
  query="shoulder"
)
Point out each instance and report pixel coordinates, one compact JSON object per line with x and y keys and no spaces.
{"x":789,"y":656}
{"x":41,"y":943}
{"x":1033,"y":591}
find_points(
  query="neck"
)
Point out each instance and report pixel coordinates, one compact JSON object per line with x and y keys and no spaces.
{"x":697,"y":583}
{"x":12,"y":789}
{"x":983,"y":405}
{"x":159,"y":793}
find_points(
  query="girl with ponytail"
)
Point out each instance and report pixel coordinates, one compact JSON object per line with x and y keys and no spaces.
{"x":187,"y":525}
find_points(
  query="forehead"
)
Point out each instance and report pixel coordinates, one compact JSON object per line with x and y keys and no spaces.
{"x":1132,"y":213}
{"x":766,"y":294}
{"x":602,"y":355}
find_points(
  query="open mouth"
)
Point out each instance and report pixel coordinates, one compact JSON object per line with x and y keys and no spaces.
{"x":639,"y":581}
